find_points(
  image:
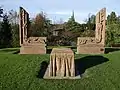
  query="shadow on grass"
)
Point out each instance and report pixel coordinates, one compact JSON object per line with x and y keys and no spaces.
{"x":17,"y":52}
{"x":11,"y":50}
{"x":86,"y":62}
{"x":80,"y":64}
{"x":8,"y":50}
{"x":107,"y":50}
{"x":43,"y":68}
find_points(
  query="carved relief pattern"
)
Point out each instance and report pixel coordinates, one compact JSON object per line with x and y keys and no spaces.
{"x":86,"y":40}
{"x":62,"y":63}
{"x":36,"y":40}
{"x":99,"y":33}
{"x":23,"y":24}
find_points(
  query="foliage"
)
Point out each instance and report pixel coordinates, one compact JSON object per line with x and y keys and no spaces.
{"x":88,"y":33}
{"x":1,"y":12}
{"x":15,"y":35}
{"x":72,"y":30}
{"x":13,"y":19}
{"x":112,"y":18}
{"x":72,"y":25}
{"x":91,"y":22}
{"x":40,"y":25}
{"x":5,"y":33}
{"x":113,"y":29}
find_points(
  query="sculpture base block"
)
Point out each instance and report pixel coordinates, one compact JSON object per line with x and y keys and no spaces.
{"x":33,"y":49}
{"x":90,"y":49}
{"x":46,"y":76}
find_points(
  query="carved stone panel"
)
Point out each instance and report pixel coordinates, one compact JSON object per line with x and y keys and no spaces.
{"x":31,"y":45}
{"x":23,"y":25}
{"x":35,"y":41}
{"x":89,"y":45}
{"x":100,"y":26}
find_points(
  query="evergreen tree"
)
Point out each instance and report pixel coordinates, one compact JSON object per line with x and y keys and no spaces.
{"x":72,"y":19}
{"x":112,"y":18}
{"x":91,"y":22}
{"x":1,"y":12}
{"x":13,"y":20}
{"x":72,"y":29}
{"x":113,"y":29}
{"x":5,"y":33}
{"x":72,"y":25}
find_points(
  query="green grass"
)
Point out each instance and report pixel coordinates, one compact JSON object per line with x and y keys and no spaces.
{"x":19,"y":72}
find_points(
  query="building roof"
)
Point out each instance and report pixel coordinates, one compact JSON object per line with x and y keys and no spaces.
{"x":58,"y":27}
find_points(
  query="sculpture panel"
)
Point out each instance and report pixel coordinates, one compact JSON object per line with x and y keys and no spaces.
{"x":85,"y":43}
{"x":29,"y":45}
{"x":23,"y":25}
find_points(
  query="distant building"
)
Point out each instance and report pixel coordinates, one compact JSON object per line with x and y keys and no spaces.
{"x":57,"y":29}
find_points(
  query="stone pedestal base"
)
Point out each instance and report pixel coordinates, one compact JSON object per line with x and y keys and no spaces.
{"x":61,"y":65}
{"x":33,"y":49}
{"x":90,"y":49}
{"x":46,"y":76}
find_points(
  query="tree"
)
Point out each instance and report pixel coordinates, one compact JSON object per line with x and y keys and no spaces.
{"x":72,"y":29}
{"x":112,"y":18}
{"x":72,"y":18}
{"x":1,"y":12}
{"x":109,"y":37}
{"x":5,"y":33}
{"x":118,"y":20}
{"x":13,"y":17}
{"x":93,"y":19}
{"x":88,"y":33}
{"x":72,"y":25}
{"x":39,"y":25}
{"x":15,"y":35}
{"x":113,"y":29}
{"x":13,"y":20}
{"x":39,"y":22}
{"x":91,"y":22}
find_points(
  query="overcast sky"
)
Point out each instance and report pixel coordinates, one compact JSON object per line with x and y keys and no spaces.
{"x":57,"y":9}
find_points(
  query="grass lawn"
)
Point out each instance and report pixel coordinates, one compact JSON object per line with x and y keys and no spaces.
{"x":20,"y":72}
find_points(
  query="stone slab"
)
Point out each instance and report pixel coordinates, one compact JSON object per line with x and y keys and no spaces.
{"x":33,"y":49}
{"x":90,"y":50}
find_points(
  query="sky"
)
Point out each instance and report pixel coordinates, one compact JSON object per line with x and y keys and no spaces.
{"x":61,"y":10}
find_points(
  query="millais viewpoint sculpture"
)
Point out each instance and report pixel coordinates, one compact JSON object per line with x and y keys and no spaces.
{"x":29,"y":45}
{"x":94,"y":45}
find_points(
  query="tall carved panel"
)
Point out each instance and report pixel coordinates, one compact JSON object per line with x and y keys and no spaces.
{"x":23,"y":25}
{"x":94,"y":45}
{"x":29,"y":45}
{"x":100,"y":26}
